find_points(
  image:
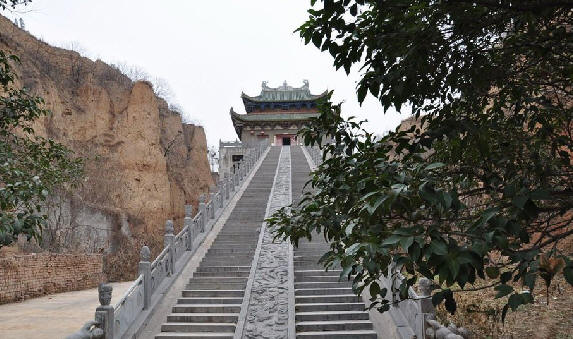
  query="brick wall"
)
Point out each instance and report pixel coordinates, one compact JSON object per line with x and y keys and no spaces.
{"x":32,"y":275}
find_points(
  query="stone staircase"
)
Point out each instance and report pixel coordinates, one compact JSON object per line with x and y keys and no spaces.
{"x":324,"y":306}
{"x":210,"y":304}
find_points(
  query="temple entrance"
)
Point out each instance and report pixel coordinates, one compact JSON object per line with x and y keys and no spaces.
{"x":286,"y":141}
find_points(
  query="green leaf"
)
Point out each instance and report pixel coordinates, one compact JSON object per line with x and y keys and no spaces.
{"x":504,"y":312}
{"x":519,"y":201}
{"x":492,"y":271}
{"x":568,"y":274}
{"x":371,"y":208}
{"x":391,"y":240}
{"x":352,"y":249}
{"x":503,"y":290}
{"x":438,"y":247}
{"x":374,"y":289}
{"x":450,"y":303}
{"x":437,"y":298}
{"x":514,"y":301}
{"x":434,"y":165}
{"x":406,"y":242}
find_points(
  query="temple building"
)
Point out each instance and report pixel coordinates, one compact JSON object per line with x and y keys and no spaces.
{"x":276,"y":115}
{"x":273,"y":117}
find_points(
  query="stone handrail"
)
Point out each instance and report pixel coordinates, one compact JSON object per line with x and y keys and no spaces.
{"x":417,"y":310}
{"x":115,"y":321}
{"x":315,"y":154}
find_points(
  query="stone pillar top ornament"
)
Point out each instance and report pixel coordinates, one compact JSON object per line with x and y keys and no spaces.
{"x":425,"y":287}
{"x":169,"y":227}
{"x":145,"y":254}
{"x":104,"y":293}
{"x":188,"y":211}
{"x":202,"y":197}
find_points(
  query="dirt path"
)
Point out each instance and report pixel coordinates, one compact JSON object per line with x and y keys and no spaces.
{"x":52,"y":316}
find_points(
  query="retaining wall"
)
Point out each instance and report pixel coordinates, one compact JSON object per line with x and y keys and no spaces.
{"x":33,"y":275}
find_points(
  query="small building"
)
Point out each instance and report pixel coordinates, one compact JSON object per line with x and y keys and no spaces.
{"x":276,"y":115}
{"x":273,"y":117}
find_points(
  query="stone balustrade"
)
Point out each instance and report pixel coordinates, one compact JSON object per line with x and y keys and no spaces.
{"x":115,"y":321}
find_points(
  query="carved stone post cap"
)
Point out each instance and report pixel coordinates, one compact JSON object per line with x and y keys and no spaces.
{"x":188,"y":210}
{"x":104,"y":293}
{"x":202,"y":197}
{"x":145,"y":254}
{"x":425,"y":287}
{"x":169,"y":227}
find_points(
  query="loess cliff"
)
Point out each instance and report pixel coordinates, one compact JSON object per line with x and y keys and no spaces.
{"x":141,"y":159}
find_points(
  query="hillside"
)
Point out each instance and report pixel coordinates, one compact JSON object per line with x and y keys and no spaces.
{"x":142,"y":162}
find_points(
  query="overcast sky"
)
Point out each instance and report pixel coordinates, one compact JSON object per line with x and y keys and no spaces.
{"x":208,"y":51}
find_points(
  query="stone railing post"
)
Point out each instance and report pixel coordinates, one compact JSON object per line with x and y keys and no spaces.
{"x":425,"y":306}
{"x":145,"y":270}
{"x":104,"y":314}
{"x":188,"y":222}
{"x":223,"y":189}
{"x":169,"y":240}
{"x":221,"y":195}
{"x":227,"y":188}
{"x":202,"y":210}
{"x":213,"y":206}
{"x":234,"y":176}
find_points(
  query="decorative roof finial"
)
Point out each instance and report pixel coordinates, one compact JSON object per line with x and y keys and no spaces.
{"x":285,"y":84}
{"x":306,"y":85}
{"x":264,"y":85}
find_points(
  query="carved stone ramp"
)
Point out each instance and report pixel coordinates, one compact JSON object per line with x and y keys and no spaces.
{"x":324,"y":306}
{"x":210,"y":304}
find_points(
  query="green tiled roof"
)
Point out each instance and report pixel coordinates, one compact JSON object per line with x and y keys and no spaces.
{"x":284,"y":93}
{"x":292,"y":116}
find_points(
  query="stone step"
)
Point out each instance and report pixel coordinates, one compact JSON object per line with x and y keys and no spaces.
{"x":318,"y":278}
{"x":227,"y":251}
{"x":317,"y":307}
{"x":320,"y":284}
{"x":222,"y":274}
{"x":212,"y":293}
{"x":203,"y":317}
{"x":303,"y":273}
{"x":363,"y":334}
{"x":223,"y":268}
{"x":197,"y":335}
{"x":322,"y":291}
{"x":313,"y":299}
{"x":216,"y":286}
{"x":308,"y":265}
{"x":217,"y":280}
{"x":206,"y":308}
{"x":198,"y":327}
{"x":307,"y":257}
{"x":209,"y":300}
{"x":332,"y":315}
{"x":227,"y":261}
{"x":334,"y":325}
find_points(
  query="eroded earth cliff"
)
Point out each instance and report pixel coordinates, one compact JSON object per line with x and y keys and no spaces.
{"x":141,"y":160}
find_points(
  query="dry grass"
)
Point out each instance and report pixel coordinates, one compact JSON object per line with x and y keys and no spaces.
{"x":480,"y":312}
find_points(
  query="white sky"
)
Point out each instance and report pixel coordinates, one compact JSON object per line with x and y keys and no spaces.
{"x":208,"y":51}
